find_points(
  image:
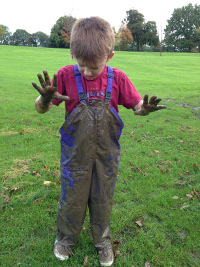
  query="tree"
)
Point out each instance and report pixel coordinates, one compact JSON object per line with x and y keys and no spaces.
{"x":124,"y":37}
{"x":143,"y":33}
{"x":21,"y":38}
{"x":5,"y":35}
{"x":183,"y":29}
{"x":150,"y":34}
{"x":135,"y":23}
{"x":116,"y":39}
{"x":40,"y":39}
{"x":66,"y":31}
{"x":60,"y":33}
{"x":1,"y":31}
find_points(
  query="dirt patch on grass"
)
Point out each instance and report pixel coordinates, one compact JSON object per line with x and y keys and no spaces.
{"x":194,"y":109}
{"x":170,"y":99}
{"x":20,"y":166}
{"x":8,"y":133}
{"x":196,"y":112}
{"x":183,"y":105}
{"x":23,"y":131}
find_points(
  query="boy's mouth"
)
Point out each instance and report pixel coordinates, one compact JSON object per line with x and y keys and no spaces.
{"x":89,"y":77}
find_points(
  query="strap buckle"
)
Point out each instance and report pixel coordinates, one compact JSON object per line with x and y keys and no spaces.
{"x":77,"y":73}
{"x":108,"y":96}
{"x":110,"y":75}
{"x":82,"y":96}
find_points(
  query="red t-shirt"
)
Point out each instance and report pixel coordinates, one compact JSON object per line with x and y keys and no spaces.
{"x":123,"y":91}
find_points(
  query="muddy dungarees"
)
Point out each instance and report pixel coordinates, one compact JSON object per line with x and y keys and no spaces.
{"x":89,"y":164}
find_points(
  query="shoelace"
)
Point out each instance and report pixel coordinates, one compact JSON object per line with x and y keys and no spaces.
{"x":69,"y":250}
{"x":105,"y":250}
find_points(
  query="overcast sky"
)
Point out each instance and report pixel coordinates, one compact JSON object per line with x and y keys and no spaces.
{"x":41,"y":15}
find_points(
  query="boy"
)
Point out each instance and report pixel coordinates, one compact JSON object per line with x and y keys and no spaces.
{"x":90,"y":134}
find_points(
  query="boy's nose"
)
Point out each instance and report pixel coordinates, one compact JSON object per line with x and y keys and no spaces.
{"x":87,"y":72}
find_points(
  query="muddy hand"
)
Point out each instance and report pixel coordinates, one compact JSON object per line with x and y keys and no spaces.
{"x":150,"y":106}
{"x":47,"y":90}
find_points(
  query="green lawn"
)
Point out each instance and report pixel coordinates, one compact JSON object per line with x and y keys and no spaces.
{"x":156,"y":217}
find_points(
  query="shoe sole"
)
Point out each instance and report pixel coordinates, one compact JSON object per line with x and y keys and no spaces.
{"x":107,"y":263}
{"x":60,"y":257}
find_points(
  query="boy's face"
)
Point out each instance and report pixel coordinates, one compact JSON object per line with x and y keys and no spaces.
{"x":90,"y":71}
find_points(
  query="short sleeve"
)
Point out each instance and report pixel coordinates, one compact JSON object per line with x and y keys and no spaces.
{"x":128,"y":95}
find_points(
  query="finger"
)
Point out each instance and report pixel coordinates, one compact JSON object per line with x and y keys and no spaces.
{"x":152,"y":100}
{"x":157,"y":101}
{"x":55,"y":80}
{"x":145,"y":100}
{"x":161,"y":107}
{"x":41,"y":80}
{"x":46,"y":76}
{"x":62,"y":97}
{"x":40,"y":90}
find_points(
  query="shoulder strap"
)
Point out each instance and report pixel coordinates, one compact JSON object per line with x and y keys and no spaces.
{"x":110,"y":76}
{"x":81,"y":93}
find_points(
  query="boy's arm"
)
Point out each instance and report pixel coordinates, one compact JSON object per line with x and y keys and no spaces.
{"x":144,"y":107}
{"x":47,"y":93}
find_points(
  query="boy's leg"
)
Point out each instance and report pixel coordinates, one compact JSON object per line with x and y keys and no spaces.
{"x":71,"y":209}
{"x":100,"y":206}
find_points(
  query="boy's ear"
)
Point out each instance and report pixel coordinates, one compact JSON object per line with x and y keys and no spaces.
{"x":110,"y":57}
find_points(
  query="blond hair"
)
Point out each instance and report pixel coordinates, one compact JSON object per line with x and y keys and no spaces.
{"x":92,"y":40}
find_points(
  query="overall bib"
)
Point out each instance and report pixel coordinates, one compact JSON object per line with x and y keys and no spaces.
{"x":89,"y":164}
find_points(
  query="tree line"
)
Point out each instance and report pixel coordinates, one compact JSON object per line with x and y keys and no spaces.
{"x":182,"y":33}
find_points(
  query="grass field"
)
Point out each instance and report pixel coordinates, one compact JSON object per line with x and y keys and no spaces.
{"x":156,"y":219}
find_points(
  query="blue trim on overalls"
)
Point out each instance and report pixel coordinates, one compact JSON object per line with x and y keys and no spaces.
{"x":81,"y":92}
